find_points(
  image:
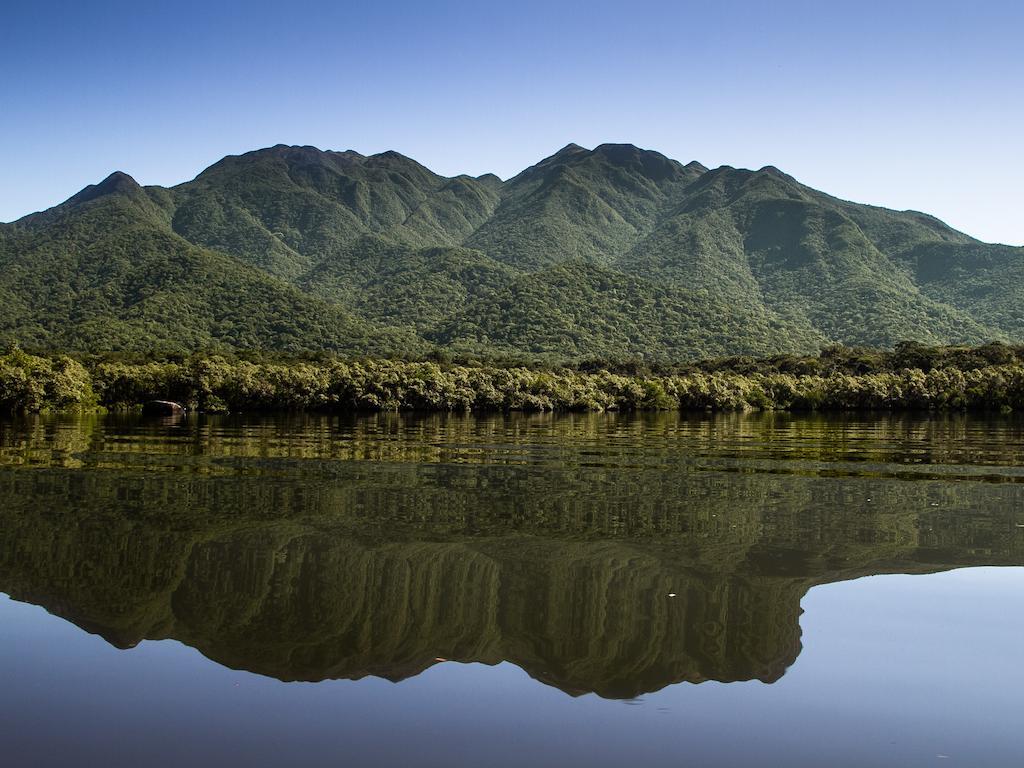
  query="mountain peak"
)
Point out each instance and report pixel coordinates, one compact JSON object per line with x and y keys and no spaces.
{"x":649,"y":163}
{"x":302,"y":153}
{"x":771,"y":170}
{"x":569,"y":149}
{"x":617,"y":148}
{"x":616,"y":154}
{"x":568,"y":152}
{"x":290,"y":154}
{"x":626,"y":154}
{"x":390,"y":154}
{"x":117,"y":183}
{"x":490,"y":179}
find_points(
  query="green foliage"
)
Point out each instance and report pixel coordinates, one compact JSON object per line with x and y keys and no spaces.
{"x":615,"y":253}
{"x":30,"y":383}
{"x":911,"y":377}
{"x":107,"y":274}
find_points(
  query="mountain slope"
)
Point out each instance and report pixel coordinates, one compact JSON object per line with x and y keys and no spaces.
{"x":637,"y":317}
{"x":288,"y":209}
{"x":774,"y":243}
{"x":103,"y":271}
{"x":611,"y":251}
{"x":582,"y":205}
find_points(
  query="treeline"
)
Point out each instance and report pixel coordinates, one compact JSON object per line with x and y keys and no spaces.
{"x":985,"y":378}
{"x":830,"y":361}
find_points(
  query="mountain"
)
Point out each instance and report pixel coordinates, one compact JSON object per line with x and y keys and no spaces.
{"x":615,"y":251}
{"x":106,"y":271}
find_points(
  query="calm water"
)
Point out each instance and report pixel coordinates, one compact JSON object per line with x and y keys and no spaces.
{"x":512,"y":591}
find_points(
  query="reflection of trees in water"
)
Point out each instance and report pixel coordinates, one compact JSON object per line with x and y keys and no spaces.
{"x":308,"y":600}
{"x":324,"y":568}
{"x":578,"y":615}
{"x":615,"y":439}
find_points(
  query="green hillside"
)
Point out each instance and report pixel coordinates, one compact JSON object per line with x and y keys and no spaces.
{"x":105,"y":271}
{"x":614,"y":251}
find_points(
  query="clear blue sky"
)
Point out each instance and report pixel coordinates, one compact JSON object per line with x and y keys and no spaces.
{"x":905,"y":104}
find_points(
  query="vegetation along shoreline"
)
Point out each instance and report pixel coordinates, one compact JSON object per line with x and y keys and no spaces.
{"x":909,"y":377}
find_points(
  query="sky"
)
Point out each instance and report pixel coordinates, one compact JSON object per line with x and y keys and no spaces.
{"x":904,"y":104}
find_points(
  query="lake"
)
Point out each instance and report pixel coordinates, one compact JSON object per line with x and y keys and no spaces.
{"x":549,"y":590}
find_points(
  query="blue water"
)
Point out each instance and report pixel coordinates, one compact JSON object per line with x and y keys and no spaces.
{"x":895,"y":670}
{"x":583,"y":574}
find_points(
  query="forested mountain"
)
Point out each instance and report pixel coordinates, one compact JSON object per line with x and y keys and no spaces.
{"x":614,"y":251}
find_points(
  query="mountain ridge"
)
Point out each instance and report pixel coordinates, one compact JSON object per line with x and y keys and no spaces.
{"x":611,"y":251}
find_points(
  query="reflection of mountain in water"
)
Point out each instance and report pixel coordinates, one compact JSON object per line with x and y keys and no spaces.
{"x":381,"y":568}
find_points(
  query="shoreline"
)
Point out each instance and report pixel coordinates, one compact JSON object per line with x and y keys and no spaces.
{"x":34,"y":384}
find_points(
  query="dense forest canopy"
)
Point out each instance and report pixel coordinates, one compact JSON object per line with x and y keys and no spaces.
{"x":615,"y":253}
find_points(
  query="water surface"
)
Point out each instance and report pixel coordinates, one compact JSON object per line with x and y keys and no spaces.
{"x":520,"y":590}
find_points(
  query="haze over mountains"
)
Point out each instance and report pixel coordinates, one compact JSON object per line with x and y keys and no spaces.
{"x":614,"y":251}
